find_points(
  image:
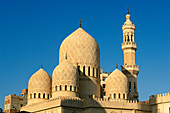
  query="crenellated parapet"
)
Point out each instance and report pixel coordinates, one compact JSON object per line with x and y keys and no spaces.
{"x":116,"y":104}
{"x":55,"y":103}
{"x":160,"y":98}
{"x":93,"y":103}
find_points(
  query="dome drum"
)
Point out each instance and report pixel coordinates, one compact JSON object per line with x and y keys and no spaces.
{"x":88,"y":70}
{"x":114,"y":95}
{"x":37,"y":97}
{"x":61,"y":94}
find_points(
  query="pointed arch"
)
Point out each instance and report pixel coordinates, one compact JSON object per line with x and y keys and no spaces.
{"x":44,"y":95}
{"x":39,"y":95}
{"x":84,"y":70}
{"x":89,"y":70}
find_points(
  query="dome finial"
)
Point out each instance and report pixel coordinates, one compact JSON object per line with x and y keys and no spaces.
{"x":41,"y":65}
{"x":80,"y":23}
{"x":127,"y":9}
{"x":116,"y":66}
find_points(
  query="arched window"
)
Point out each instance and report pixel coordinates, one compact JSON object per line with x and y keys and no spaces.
{"x":55,"y":88}
{"x":110,"y":96}
{"x":30,"y":96}
{"x":128,"y":38}
{"x":135,"y":86}
{"x":104,"y":93}
{"x":48,"y":96}
{"x":34,"y":95}
{"x":123,"y":96}
{"x":96,"y":72}
{"x":130,"y":89}
{"x":114,"y":95}
{"x":84,"y":70}
{"x":78,"y":67}
{"x":70,"y":88}
{"x":119,"y":95}
{"x":65,"y":87}
{"x":60,"y":87}
{"x":75,"y":88}
{"x":44,"y":95}
{"x":39,"y":95}
{"x":89,"y":70}
{"x":131,"y":38}
{"x":93,"y":71}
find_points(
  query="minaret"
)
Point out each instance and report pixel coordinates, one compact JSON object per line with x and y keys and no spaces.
{"x":130,"y":69}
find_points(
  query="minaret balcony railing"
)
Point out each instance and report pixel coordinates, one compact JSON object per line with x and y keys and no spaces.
{"x":127,"y":45}
{"x":131,"y":67}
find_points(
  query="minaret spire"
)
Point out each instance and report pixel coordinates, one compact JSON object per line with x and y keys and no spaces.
{"x":41,"y":65}
{"x":80,"y":22}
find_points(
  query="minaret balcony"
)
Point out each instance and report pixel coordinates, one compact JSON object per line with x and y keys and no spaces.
{"x":129,"y":45}
{"x":133,"y":69}
{"x":128,"y":25}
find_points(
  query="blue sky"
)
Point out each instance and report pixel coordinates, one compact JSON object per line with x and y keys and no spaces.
{"x":31,"y":32}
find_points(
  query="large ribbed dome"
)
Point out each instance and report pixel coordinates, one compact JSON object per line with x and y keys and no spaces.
{"x":116,"y":83}
{"x":39,"y":85}
{"x":80,"y":47}
{"x":65,"y":75}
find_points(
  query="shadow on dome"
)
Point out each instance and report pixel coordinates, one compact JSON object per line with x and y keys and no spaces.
{"x":89,"y":85}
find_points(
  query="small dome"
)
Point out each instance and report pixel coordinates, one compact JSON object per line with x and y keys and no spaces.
{"x":117,"y":83}
{"x":65,"y":76}
{"x":128,"y":24}
{"x":39,"y":85}
{"x":80,"y":48}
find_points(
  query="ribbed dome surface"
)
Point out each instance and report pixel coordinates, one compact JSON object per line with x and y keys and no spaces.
{"x":40,"y":82}
{"x":117,"y":82}
{"x":65,"y":73}
{"x":80,"y":47}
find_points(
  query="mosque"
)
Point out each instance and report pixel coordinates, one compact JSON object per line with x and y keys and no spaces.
{"x":75,"y":86}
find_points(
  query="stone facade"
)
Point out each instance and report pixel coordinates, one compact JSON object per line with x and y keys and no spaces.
{"x":78,"y":85}
{"x":103,"y":78}
{"x":13,"y":103}
{"x":160,"y":103}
